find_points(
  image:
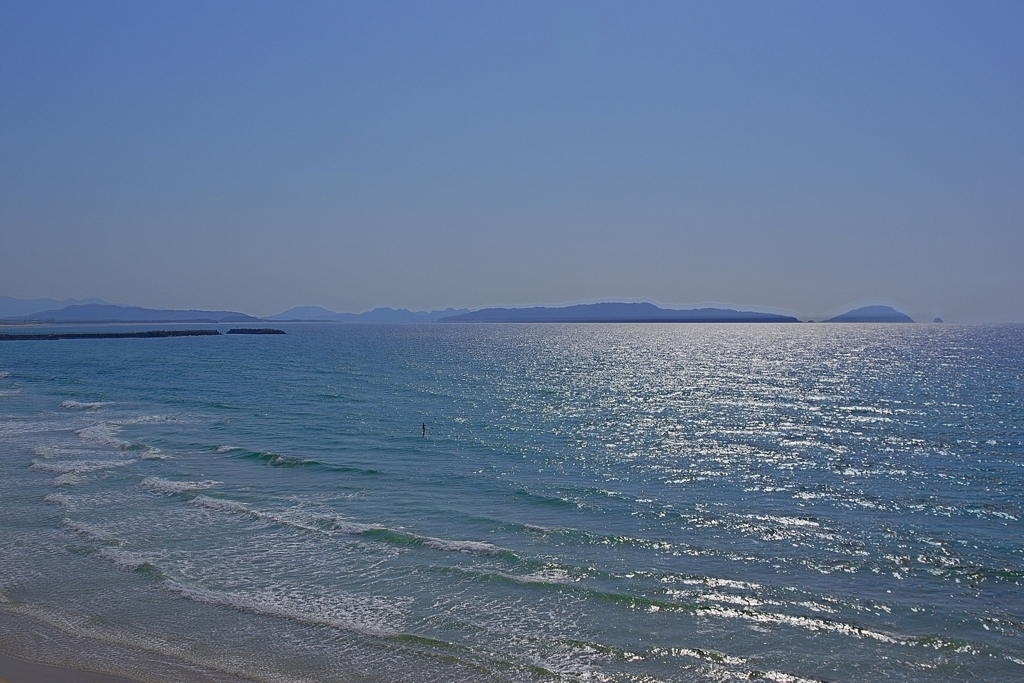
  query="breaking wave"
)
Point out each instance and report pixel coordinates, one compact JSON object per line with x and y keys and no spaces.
{"x":373,"y":616}
{"x":167,"y":487}
{"x":90,"y":532}
{"x":77,"y":405}
{"x":76,"y":466}
{"x":334,"y":525}
{"x":104,"y":435}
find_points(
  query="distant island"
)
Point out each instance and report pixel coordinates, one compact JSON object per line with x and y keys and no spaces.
{"x":616,"y":313}
{"x":872,"y":314}
{"x":151,"y":334}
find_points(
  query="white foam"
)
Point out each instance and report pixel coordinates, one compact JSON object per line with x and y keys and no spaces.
{"x":731,"y":599}
{"x":809,"y":623}
{"x":146,"y":419}
{"x":225,"y":449}
{"x":221,"y":505}
{"x":168,"y":487}
{"x":714,"y":582}
{"x":104,"y":435}
{"x":709,"y":655}
{"x":50,"y":452}
{"x":552,"y":575}
{"x":373,"y":616}
{"x":76,"y":466}
{"x":233,"y":506}
{"x":58,"y":499}
{"x":353,"y":528}
{"x":785,"y":521}
{"x":780,"y":677}
{"x":76,"y":405}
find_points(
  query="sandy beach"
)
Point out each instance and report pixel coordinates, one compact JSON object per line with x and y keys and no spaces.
{"x":26,"y":642}
{"x":14,"y":670}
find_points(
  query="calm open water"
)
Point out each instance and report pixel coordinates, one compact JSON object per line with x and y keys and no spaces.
{"x":590,"y":502}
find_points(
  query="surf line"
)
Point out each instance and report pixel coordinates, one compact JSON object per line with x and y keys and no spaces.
{"x":151,"y":334}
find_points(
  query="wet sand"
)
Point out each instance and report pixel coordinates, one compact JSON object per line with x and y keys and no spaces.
{"x":14,"y":670}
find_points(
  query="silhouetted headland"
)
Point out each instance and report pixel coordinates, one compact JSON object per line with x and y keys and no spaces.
{"x":255,"y":330}
{"x":149,"y":334}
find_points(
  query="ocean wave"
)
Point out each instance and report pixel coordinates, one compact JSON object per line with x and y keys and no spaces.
{"x":76,"y":466}
{"x":591,"y":538}
{"x":442,"y":544}
{"x":470,"y":547}
{"x":785,"y":521}
{"x":712,"y":582}
{"x":808,"y":623}
{"x":227,"y":505}
{"x":281,"y":460}
{"x":145,"y":419}
{"x":353,"y":528}
{"x":277,"y":460}
{"x":372,"y":616}
{"x":91,"y":533}
{"x":58,"y":499}
{"x":547,"y":576}
{"x":221,"y":505}
{"x":104,"y":435}
{"x":325,"y":525}
{"x":698,"y":653}
{"x":76,"y":405}
{"x":129,"y":561}
{"x":52,"y":452}
{"x":165,"y":486}
{"x":721,"y":659}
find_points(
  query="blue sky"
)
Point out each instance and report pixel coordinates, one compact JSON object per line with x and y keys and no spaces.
{"x":256,"y":156}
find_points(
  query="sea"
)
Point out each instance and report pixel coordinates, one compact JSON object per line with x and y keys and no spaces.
{"x":460,"y":502}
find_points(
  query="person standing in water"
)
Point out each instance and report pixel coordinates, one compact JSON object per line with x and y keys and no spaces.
{"x":424,"y":429}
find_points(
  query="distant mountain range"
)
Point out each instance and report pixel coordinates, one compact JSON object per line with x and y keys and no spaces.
{"x":108,"y":313}
{"x":15,"y":308}
{"x":377,"y":315}
{"x":872,"y":314}
{"x":98,"y":311}
{"x":616,"y":313}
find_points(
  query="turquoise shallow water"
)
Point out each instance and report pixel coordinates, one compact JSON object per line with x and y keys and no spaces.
{"x":590,"y":502}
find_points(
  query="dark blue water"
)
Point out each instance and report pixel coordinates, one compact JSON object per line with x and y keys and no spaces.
{"x":589,"y":502}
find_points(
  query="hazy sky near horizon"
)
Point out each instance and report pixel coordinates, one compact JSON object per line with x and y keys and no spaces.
{"x":255,"y":156}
